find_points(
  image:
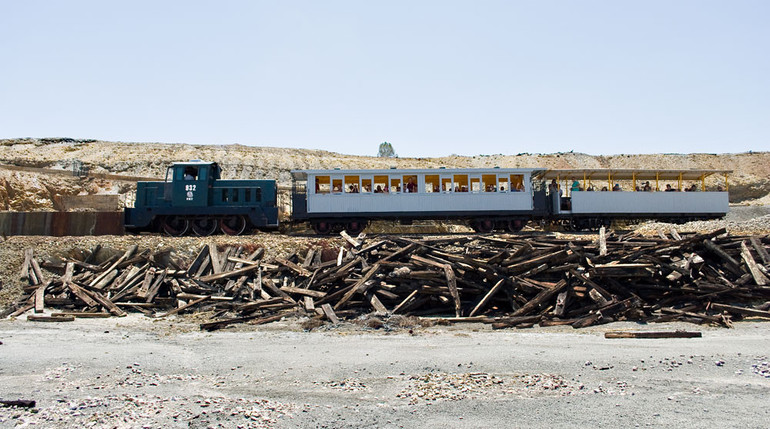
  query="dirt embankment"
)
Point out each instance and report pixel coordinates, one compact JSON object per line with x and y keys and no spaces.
{"x":34,"y":191}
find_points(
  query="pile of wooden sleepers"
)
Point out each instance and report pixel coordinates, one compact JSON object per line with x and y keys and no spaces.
{"x":506,"y":280}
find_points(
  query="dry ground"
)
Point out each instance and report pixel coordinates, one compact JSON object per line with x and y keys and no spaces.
{"x":134,"y":372}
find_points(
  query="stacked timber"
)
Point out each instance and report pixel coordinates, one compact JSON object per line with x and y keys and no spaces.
{"x":505,"y":280}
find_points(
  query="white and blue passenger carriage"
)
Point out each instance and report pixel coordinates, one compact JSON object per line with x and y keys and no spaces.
{"x":486,"y":198}
{"x":589,"y":198}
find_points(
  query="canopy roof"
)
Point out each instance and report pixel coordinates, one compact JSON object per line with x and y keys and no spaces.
{"x":629,"y":174}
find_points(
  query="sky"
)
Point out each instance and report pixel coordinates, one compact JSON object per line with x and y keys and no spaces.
{"x":433,"y":78}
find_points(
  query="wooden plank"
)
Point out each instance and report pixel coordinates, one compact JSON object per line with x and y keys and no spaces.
{"x":739,"y":310}
{"x":653,"y":334}
{"x":451,"y":281}
{"x":186,"y":306}
{"x":127,"y":254}
{"x":294,"y":267}
{"x":540,"y":298}
{"x":359,"y":287}
{"x":82,"y":295}
{"x":226,"y":275}
{"x":375,"y":302}
{"x":731,"y":263}
{"x":761,"y":251}
{"x":24,"y":274}
{"x":602,"y":242}
{"x":40,"y":298}
{"x":308,"y":303}
{"x":82,"y":314}
{"x":759,"y":278}
{"x":487,"y":297}
{"x":353,"y":242}
{"x":329,"y":313}
{"x":36,"y":318}
{"x":405,"y":302}
{"x":306,"y":292}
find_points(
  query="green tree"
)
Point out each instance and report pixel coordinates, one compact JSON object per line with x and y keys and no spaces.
{"x":386,"y":151}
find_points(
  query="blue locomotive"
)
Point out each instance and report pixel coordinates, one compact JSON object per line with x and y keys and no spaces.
{"x":194,"y":199}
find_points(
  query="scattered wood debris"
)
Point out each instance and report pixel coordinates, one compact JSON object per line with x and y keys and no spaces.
{"x":505,"y":280}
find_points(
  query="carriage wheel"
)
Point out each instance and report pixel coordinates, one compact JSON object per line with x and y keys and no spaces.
{"x":484,"y":225}
{"x":175,"y":226}
{"x":204,"y":226}
{"x":322,"y":227}
{"x":516,"y":225}
{"x":233,"y":225}
{"x":355,"y":227}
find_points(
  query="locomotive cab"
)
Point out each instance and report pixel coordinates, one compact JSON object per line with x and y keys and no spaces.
{"x":191,"y":182}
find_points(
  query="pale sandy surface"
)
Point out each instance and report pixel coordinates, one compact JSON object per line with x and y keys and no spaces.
{"x":134,"y":372}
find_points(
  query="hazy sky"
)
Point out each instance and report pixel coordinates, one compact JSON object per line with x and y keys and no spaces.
{"x":431,"y":77}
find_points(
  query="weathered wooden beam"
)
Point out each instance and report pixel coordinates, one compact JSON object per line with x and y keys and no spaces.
{"x":487,"y":297}
{"x":759,"y":277}
{"x":329,"y":313}
{"x":540,"y":298}
{"x":653,"y":334}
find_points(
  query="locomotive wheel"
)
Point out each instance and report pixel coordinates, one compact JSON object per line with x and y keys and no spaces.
{"x":175,"y":226}
{"x":322,"y":227}
{"x":355,"y":227}
{"x":233,"y":225}
{"x":483,"y":226}
{"x":204,"y":226}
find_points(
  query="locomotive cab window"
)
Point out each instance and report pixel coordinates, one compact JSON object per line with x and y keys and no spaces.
{"x":323,"y":185}
{"x":432,"y":183}
{"x":461,"y":182}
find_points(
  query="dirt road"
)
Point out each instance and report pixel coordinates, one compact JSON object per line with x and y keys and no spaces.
{"x":134,"y":372}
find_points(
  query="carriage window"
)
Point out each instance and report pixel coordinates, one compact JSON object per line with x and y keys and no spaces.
{"x":517,"y":183}
{"x":502,"y":185}
{"x":410,"y":184}
{"x":461,"y":182}
{"x":258,"y":195}
{"x":489,"y":182}
{"x":395,"y":184}
{"x":446,"y":184}
{"x":381,"y":184}
{"x":336,"y":186}
{"x":366,"y":185}
{"x":432,"y":183}
{"x":322,"y":184}
{"x":225,"y":195}
{"x":235,"y":195}
{"x":352,"y":185}
{"x":475,"y":184}
{"x":247,"y":195}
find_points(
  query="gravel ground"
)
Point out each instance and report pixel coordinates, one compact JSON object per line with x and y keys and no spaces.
{"x":133,"y":372}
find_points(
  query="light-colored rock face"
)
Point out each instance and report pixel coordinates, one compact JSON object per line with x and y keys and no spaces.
{"x":31,"y":190}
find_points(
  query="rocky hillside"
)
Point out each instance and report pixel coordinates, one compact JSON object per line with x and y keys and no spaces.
{"x":34,"y":190}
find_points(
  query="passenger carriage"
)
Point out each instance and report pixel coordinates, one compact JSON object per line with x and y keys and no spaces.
{"x":594,"y":203}
{"x":488,"y":199}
